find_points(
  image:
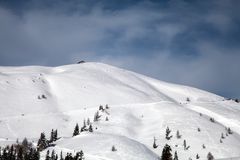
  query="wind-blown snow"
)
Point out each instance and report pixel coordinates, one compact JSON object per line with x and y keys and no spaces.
{"x":140,"y":108}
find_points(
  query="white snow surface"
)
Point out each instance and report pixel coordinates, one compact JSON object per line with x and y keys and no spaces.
{"x":140,"y":108}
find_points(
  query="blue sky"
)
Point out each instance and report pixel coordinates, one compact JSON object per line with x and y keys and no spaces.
{"x":190,"y":42}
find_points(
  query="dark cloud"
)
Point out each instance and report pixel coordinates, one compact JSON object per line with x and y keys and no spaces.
{"x":189,"y":42}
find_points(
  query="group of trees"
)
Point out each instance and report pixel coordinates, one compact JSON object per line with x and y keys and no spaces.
{"x":228,"y":132}
{"x":69,"y":156}
{"x":19,"y":151}
{"x":167,"y":155}
{"x":43,"y":143}
{"x":26,"y":151}
{"x":166,"y":152}
{"x":236,"y":100}
{"x":85,"y":127}
{"x":42,"y":96}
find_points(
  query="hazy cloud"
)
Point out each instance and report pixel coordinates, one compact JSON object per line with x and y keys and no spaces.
{"x":193,"y":43}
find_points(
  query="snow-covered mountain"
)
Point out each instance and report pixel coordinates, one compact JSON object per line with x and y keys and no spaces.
{"x":37,"y":99}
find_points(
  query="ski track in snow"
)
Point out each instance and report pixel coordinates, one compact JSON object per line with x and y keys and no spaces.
{"x":233,"y":124}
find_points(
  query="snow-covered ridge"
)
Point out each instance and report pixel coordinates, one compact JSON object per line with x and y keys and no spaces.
{"x":40,"y":98}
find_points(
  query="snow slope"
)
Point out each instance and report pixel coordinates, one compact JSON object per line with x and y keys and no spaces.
{"x":140,"y":108}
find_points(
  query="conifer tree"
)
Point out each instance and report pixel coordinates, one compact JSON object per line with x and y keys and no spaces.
{"x":203,"y":146}
{"x":81,"y":155}
{"x":107,"y":107}
{"x":222,"y":136}
{"x":11,"y":153}
{"x":53,"y":156}
{"x":51,"y":136}
{"x":47,"y":156}
{"x":221,"y":141}
{"x":42,"y":142}
{"x":61,"y":156}
{"x":36,"y":155}
{"x":84,"y":127}
{"x":175,"y":156}
{"x":210,"y":156}
{"x":55,"y":136}
{"x":184,"y":144}
{"x":197,"y":156}
{"x":96,"y":117}
{"x":101,"y":108}
{"x":168,"y":131}
{"x":90,"y":129}
{"x":114,"y":148}
{"x":0,"y":153}
{"x":26,"y":145}
{"x":20,"y":154}
{"x":229,"y":131}
{"x":76,"y":130}
{"x":178,"y":135}
{"x":154,"y":143}
{"x":166,"y":153}
{"x":88,"y":121}
{"x":84,"y":123}
{"x":5,"y":155}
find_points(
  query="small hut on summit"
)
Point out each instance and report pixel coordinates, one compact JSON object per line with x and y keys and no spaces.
{"x":80,"y":62}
